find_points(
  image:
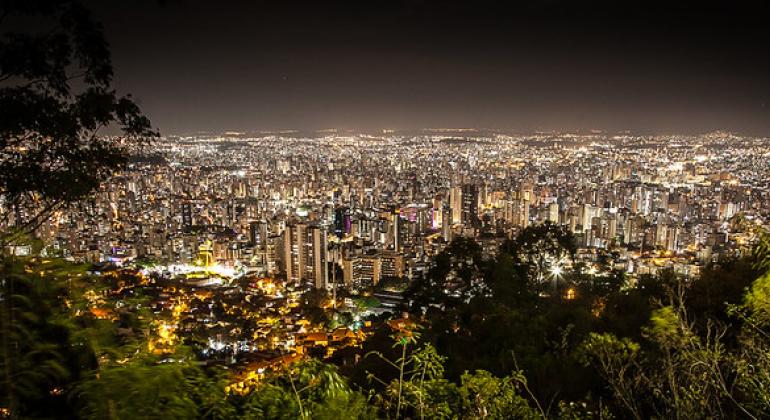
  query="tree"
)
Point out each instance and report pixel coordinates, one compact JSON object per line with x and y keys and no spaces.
{"x":308,"y":389}
{"x":402,"y":337}
{"x":56,"y":95}
{"x":541,"y":249}
{"x":312,"y":306}
{"x":684,"y":371}
{"x":454,"y":277}
{"x":138,"y":391}
{"x":485,"y":396}
{"x":41,"y":357}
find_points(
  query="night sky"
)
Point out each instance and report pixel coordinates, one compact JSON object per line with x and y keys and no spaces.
{"x":370,"y":64}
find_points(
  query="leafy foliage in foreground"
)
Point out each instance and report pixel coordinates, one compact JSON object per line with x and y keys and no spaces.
{"x":687,"y":371}
{"x":694,"y":349}
{"x":35,"y":358}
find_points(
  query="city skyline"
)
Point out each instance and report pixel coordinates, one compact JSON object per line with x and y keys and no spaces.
{"x":384,"y":209}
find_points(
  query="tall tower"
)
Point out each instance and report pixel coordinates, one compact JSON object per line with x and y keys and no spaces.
{"x":553,"y":213}
{"x":470,"y":205}
{"x":437,"y":213}
{"x":320,"y":272}
{"x":287,"y":254}
{"x":526,"y":192}
{"x":342,"y":221}
{"x":523,"y":213}
{"x":446,"y":228}
{"x":397,"y":229}
{"x":526,"y":197}
{"x":588,"y":215}
{"x":296,"y":252}
{"x":455,"y":202}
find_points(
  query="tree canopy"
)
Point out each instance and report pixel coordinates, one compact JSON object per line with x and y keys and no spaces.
{"x":56,"y":94}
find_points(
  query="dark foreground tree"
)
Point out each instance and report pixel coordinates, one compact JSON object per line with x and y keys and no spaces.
{"x":55,"y":96}
{"x":692,"y":370}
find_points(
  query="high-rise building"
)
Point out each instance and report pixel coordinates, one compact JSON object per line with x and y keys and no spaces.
{"x":291,"y":255}
{"x":553,"y":213}
{"x":470,"y":205}
{"x":517,"y":213}
{"x":455,"y":203}
{"x":397,"y":230}
{"x":361,"y":271}
{"x":320,"y":271}
{"x":437,"y":213}
{"x":258,"y":231}
{"x":342,"y":221}
{"x":187,"y":218}
{"x":392,"y":264}
{"x":588,"y":214}
{"x":446,"y":228}
{"x":523,"y":213}
{"x":526,"y":192}
{"x":304,"y":254}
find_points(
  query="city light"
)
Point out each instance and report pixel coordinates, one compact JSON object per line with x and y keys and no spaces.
{"x":378,"y":211}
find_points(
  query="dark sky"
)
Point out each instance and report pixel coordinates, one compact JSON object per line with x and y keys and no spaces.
{"x":371,"y":64}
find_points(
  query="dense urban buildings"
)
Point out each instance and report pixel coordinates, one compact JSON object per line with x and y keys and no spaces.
{"x":170,"y":249}
{"x":241,"y":227}
{"x":379,"y":206}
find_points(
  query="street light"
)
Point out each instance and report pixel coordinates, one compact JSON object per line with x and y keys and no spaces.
{"x":556,"y":272}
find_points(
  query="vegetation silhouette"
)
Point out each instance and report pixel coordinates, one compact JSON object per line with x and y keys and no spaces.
{"x":518,"y":336}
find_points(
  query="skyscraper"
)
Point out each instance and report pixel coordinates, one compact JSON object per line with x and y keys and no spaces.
{"x":470,"y":205}
{"x":320,"y":271}
{"x":304,"y":254}
{"x":553,"y":213}
{"x":437,"y":213}
{"x":455,"y":203}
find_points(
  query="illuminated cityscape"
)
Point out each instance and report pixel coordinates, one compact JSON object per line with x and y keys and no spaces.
{"x":232,"y":230}
{"x":380,"y":206}
{"x":401,"y":209}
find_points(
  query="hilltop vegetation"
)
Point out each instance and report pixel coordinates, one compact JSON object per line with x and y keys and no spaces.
{"x":668,"y":347}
